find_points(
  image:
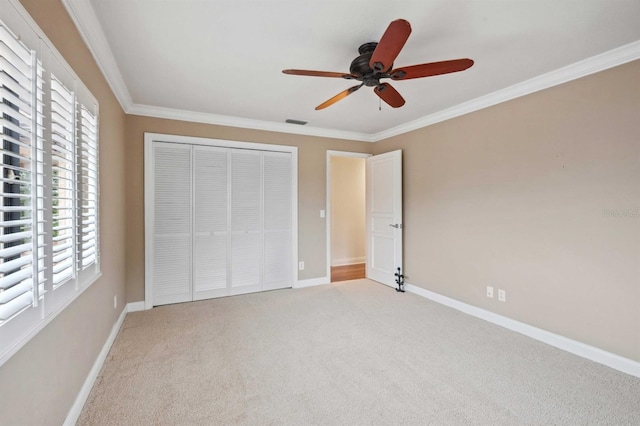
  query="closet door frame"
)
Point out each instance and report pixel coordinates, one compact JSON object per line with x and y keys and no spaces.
{"x":151,"y":138}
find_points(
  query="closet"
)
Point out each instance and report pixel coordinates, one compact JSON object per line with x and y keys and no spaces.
{"x":219,"y":219}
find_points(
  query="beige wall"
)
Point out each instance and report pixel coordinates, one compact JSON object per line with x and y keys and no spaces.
{"x":516,"y":196}
{"x":348,"y":225}
{"x":39,"y":384}
{"x":311,"y":188}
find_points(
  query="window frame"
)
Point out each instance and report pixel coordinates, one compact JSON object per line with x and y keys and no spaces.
{"x":81,"y":194}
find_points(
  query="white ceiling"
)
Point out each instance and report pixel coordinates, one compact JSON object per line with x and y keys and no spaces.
{"x":220,"y":61}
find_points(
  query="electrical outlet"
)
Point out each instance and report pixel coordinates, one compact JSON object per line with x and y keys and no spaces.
{"x":322,"y":213}
{"x":301,"y":266}
{"x":490,"y":292}
{"x":502,"y":295}
{"x":115,"y":301}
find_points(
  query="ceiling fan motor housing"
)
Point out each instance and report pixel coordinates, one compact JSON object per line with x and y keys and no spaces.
{"x":361,"y":69}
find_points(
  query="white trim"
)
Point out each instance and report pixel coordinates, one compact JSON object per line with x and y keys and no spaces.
{"x":601,"y":62}
{"x":148,"y":219}
{"x":244,"y":123}
{"x":333,"y":153}
{"x":85,"y":19}
{"x":349,"y":261}
{"x":193,"y":140}
{"x":312,"y":282}
{"x":88,"y":25}
{"x":136,"y":306}
{"x":76,"y":408}
{"x":572,"y":346}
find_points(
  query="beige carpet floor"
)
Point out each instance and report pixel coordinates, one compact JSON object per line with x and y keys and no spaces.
{"x":351,"y":353}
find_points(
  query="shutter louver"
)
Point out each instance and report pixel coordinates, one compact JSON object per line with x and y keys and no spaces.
{"x":17,"y":234}
{"x":88,"y":189}
{"x":63,"y":165}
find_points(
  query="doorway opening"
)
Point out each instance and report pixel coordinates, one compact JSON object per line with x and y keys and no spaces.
{"x":346,"y":215}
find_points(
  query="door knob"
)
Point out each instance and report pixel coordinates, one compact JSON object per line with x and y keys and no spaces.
{"x":396,"y":225}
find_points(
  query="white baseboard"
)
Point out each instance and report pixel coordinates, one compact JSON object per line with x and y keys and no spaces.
{"x":348,"y":261}
{"x":577,"y":348}
{"x":135,"y":306}
{"x":76,"y":408}
{"x":311,"y":282}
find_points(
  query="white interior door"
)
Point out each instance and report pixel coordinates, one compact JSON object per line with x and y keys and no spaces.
{"x":384,"y":216}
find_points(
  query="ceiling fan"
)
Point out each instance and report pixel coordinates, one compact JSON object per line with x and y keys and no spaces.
{"x":376,"y":62}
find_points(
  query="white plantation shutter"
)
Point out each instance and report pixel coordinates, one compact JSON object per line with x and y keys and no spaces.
{"x":63,"y":181}
{"x":48,"y":181}
{"x":18,"y":240}
{"x":87,"y":185}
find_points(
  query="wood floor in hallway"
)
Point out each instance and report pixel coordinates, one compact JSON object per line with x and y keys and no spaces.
{"x":347,"y":272}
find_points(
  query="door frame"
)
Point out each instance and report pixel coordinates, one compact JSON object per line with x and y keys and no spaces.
{"x":332,"y":153}
{"x":150,"y":138}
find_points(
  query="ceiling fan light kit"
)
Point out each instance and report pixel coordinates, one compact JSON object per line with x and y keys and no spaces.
{"x":376,"y":61}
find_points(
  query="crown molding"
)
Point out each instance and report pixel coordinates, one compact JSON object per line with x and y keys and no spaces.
{"x":88,"y":25}
{"x":601,"y":62}
{"x":85,"y":19}
{"x":245,"y":123}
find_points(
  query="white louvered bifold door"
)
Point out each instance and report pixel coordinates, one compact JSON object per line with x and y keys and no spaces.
{"x":246,"y":221}
{"x":220,"y":221}
{"x":171,"y":263}
{"x":277,"y":220}
{"x":210,"y":225}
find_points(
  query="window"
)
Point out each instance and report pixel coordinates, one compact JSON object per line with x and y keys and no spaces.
{"x":49,"y":247}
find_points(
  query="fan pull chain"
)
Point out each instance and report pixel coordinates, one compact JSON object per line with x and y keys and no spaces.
{"x":379,"y":104}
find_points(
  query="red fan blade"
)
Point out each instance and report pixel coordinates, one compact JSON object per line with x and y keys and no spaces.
{"x":428,"y":70}
{"x":387,"y":93}
{"x":390,"y":45}
{"x":338,"y":97}
{"x":320,"y":74}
